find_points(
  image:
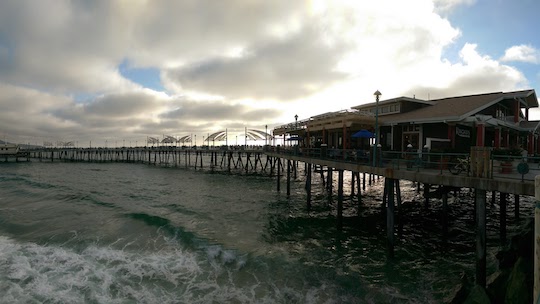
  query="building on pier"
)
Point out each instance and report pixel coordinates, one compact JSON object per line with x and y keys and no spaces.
{"x":498,"y":120}
{"x":335,"y":129}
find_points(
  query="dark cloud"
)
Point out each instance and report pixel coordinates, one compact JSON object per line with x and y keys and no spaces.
{"x":218,"y":111}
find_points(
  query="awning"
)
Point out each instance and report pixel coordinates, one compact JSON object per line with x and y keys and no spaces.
{"x":363,"y":134}
{"x":294,"y":138}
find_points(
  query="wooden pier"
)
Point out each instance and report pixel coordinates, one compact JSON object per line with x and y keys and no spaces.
{"x":284,"y":164}
{"x":428,"y":177}
{"x":19,"y":157}
{"x":238,"y":160}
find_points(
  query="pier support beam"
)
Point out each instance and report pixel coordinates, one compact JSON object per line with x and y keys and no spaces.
{"x":340,"y":200}
{"x":288,"y":177}
{"x":399,"y":210}
{"x":426,"y":195}
{"x":536,"y":292}
{"x":390,"y":217}
{"x":359,"y":195}
{"x":278,"y":174}
{"x":364,"y":181}
{"x":502,"y":216}
{"x":445,"y":212}
{"x":308,"y":186}
{"x":353,"y":177}
{"x":329,"y":183}
{"x":516,"y":206}
{"x":480,"y":198}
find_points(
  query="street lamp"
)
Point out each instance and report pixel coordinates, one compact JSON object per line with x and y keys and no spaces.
{"x":377,"y":94}
{"x":296,"y":121}
{"x":265,"y":134}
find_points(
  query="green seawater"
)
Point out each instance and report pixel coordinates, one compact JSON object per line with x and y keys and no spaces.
{"x":133,"y":233}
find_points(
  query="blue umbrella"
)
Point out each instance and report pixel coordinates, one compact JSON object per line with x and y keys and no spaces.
{"x":363,"y":134}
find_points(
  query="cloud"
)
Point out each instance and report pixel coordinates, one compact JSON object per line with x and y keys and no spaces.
{"x":470,"y":77}
{"x":227,"y":64}
{"x":522,"y":53}
{"x":288,"y":68}
{"x":446,"y":6}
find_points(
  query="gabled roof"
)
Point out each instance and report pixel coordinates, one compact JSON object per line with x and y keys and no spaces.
{"x":386,"y":101}
{"x":458,"y":108}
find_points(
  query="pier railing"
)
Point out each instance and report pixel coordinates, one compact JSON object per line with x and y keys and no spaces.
{"x":494,"y":166}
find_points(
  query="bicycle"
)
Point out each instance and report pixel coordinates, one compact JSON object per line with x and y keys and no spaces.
{"x":462,"y":164}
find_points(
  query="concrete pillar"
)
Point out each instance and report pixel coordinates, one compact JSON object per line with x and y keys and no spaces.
{"x":480,"y":199}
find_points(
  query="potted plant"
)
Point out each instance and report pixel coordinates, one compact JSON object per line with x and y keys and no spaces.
{"x":506,"y":158}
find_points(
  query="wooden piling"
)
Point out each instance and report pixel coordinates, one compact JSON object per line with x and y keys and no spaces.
{"x":426,"y":195}
{"x":308,"y":186}
{"x":288,"y":177}
{"x":278,"y":174}
{"x":359,"y":196}
{"x":390,"y":217}
{"x":480,"y":198}
{"x":340,"y":200}
{"x":352,"y":183}
{"x":445,"y":213}
{"x":364,"y":181}
{"x":502,"y":216}
{"x":399,"y":210}
{"x":329,"y":183}
{"x":516,"y":206}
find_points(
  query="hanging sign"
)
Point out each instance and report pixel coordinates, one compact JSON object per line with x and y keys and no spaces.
{"x":463,"y":132}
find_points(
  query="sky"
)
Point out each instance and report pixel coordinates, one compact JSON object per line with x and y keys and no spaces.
{"x":121,"y":71}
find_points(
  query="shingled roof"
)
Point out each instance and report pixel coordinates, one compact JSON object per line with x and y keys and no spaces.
{"x":457,"y":108}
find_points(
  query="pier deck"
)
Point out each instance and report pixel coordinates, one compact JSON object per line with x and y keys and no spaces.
{"x":513,"y":183}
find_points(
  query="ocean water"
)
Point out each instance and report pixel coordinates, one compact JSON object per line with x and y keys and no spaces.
{"x":134,"y":233}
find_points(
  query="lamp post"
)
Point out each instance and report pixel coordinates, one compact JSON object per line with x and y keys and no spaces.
{"x":377,"y":94}
{"x":296,"y":121}
{"x":265,"y":134}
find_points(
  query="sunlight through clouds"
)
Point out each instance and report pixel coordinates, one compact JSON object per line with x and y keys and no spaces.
{"x":138,"y":68}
